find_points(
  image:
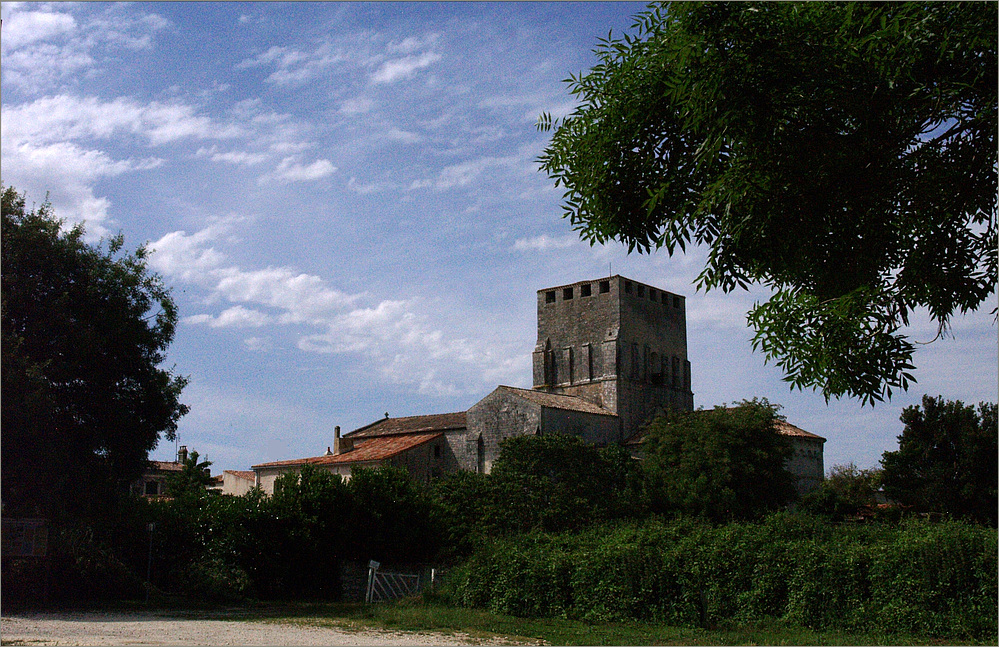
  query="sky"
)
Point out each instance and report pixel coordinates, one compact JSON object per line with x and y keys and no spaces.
{"x":346,"y":202}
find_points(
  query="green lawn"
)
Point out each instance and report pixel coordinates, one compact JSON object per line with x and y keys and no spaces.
{"x":415,"y":615}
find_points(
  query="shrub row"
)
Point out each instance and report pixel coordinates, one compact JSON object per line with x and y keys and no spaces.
{"x":935,"y":579}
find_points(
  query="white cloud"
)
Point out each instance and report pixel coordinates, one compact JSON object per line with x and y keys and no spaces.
{"x":403,"y":136}
{"x":545,"y":242}
{"x":294,"y":66}
{"x":290,"y":169}
{"x":465,"y":173}
{"x":403,"y":68}
{"x":240,"y":158}
{"x":43,"y":48}
{"x":411,"y":44}
{"x":62,"y":117}
{"x":368,"y":188}
{"x":25,"y":27}
{"x":398,"y":337}
{"x":356,"y":105}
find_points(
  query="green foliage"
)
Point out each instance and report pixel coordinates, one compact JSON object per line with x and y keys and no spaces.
{"x":557,"y":482}
{"x":395,"y":519}
{"x":792,"y":570}
{"x":550,"y":483}
{"x":468,"y":510}
{"x":841,"y":154}
{"x":84,"y":332}
{"x":946,"y":460}
{"x":193,"y":478}
{"x":722,"y":463}
{"x":844,"y":491}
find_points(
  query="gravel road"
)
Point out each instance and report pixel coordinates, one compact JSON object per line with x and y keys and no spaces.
{"x":151,"y":629}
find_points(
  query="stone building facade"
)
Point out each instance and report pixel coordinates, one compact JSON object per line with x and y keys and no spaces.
{"x":509,"y":411}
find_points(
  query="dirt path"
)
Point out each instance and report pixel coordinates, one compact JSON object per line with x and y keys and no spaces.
{"x":150,"y":629}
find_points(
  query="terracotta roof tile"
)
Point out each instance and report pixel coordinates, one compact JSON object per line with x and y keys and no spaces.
{"x":557,"y":401}
{"x":365,"y":450}
{"x":411,"y":425}
{"x":243,"y":474}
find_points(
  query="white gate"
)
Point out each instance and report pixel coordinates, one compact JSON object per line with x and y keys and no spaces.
{"x":389,"y":586}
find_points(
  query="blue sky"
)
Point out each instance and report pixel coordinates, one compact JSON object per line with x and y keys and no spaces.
{"x":346,"y":203}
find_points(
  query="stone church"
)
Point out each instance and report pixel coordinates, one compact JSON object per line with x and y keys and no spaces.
{"x":611,"y":353}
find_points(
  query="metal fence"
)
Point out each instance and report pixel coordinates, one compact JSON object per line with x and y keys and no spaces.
{"x":389,"y":586}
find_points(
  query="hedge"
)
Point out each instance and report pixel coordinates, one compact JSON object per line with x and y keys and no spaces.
{"x":928,"y":578}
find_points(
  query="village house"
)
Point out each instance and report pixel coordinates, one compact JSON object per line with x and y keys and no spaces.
{"x":152,"y":483}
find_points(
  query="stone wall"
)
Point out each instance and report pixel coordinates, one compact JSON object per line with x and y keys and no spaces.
{"x":491,"y":420}
{"x":807,"y":463}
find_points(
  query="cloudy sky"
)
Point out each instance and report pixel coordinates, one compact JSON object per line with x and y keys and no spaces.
{"x":346,"y":203}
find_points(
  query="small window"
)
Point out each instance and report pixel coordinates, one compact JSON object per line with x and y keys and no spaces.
{"x":550,"y":297}
{"x":566,"y":294}
{"x":437,"y":451}
{"x":627,"y":287}
{"x":653,"y":295}
{"x":152,"y":488}
{"x":676,"y":301}
{"x":641,"y":290}
{"x":604,"y":287}
{"x":585,"y":290}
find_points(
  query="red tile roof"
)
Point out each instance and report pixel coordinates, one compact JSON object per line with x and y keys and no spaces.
{"x":365,"y":450}
{"x":557,"y":401}
{"x":243,"y":474}
{"x":411,"y":425}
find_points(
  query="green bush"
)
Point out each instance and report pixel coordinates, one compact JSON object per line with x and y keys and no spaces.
{"x":214,"y":580}
{"x":935,"y":579}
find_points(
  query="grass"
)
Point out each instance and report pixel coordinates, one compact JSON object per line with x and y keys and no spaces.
{"x":484,"y":626}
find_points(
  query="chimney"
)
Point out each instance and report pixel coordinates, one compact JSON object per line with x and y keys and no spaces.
{"x":341,"y":445}
{"x":182,"y":454}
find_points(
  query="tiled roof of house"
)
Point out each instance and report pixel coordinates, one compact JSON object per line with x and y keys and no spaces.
{"x":788,"y":429}
{"x":243,"y":474}
{"x":411,"y":425}
{"x":557,"y":401}
{"x":783,"y":428}
{"x":365,"y":450}
{"x":165,"y":466}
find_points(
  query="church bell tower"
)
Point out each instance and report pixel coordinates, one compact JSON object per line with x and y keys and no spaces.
{"x":617,"y":343}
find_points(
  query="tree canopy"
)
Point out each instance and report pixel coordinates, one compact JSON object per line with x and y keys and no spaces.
{"x":84,"y":333}
{"x":946,"y":460}
{"x":843,"y":155}
{"x":723,"y":463}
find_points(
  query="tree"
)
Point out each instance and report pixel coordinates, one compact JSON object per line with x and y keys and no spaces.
{"x":841,"y":154}
{"x":556,"y":483}
{"x":84,"y":332}
{"x":946,"y":460}
{"x":193,"y":477}
{"x":395,"y":519}
{"x":843,"y":492}
{"x":721,"y":463}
